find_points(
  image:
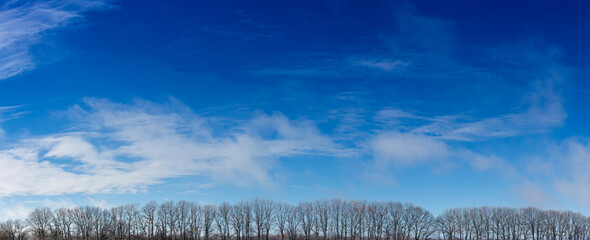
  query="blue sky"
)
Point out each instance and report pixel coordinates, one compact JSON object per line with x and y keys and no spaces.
{"x":444,"y":104}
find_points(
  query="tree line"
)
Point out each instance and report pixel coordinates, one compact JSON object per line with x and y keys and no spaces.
{"x":263,"y":219}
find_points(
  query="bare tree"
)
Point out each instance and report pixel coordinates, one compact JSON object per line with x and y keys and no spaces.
{"x":208,"y":219}
{"x":223,"y":220}
{"x":40,"y":220}
{"x":446,"y":224}
{"x":13,"y":230}
{"x":346,"y":219}
{"x":532,"y":217}
{"x":82,"y":218}
{"x":247,"y":220}
{"x":282,"y":216}
{"x":62,"y":222}
{"x":293,"y":222}
{"x":258,"y":216}
{"x":167,"y":219}
{"x":196,"y":221}
{"x":268,"y":216}
{"x":183,"y":212}
{"x":149,"y":212}
{"x":237,"y":219}
{"x":420,"y":222}
{"x":334,"y":218}
{"x":321,"y":208}
{"x":102,"y":223}
{"x":322,"y":219}
{"x":307,"y":218}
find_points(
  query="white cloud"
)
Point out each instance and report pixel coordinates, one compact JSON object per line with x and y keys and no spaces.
{"x":99,"y":203}
{"x":12,"y":208}
{"x":559,"y":170}
{"x":58,"y":203}
{"x":23,"y":25}
{"x":7,"y":113}
{"x":298,"y":72}
{"x":14,"y":63}
{"x":124,"y":148}
{"x":384,"y":65}
{"x":13,"y":211}
{"x":545,"y":111}
{"x":481,"y":162}
{"x":425,"y":41}
{"x":407,"y":148}
{"x":484,"y":163}
{"x":573,"y":161}
{"x":533,"y":195}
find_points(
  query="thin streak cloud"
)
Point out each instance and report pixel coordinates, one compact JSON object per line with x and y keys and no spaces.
{"x":22,"y":25}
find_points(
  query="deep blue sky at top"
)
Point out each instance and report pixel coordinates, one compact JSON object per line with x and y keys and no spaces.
{"x":502,"y":82}
{"x":219,"y":44}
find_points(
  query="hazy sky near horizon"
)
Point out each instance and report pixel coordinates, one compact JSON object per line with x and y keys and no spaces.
{"x":440,"y":103}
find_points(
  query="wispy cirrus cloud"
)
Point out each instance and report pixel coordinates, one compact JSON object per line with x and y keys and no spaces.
{"x":407,"y":138}
{"x":384,"y":65}
{"x":13,"y":210}
{"x":407,"y":148}
{"x":570,"y":164}
{"x":334,"y":65}
{"x":531,"y":194}
{"x":543,"y":111}
{"x":116,"y":147}
{"x":24,"y":24}
{"x":404,"y":150}
{"x":303,"y":71}
{"x":9,"y":113}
